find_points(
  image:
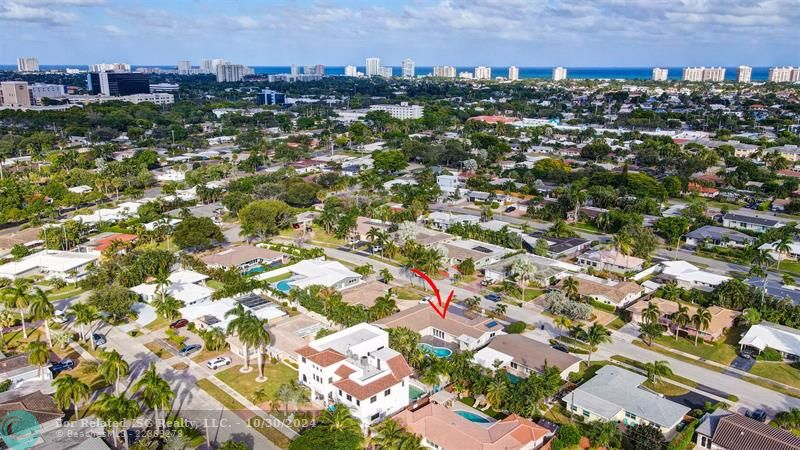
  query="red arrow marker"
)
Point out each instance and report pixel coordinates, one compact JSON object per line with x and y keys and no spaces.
{"x":442,"y":312}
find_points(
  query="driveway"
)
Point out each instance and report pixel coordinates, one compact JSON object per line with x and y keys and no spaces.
{"x":743,"y":364}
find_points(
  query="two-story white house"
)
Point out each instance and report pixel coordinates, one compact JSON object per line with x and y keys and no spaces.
{"x":356,"y":367}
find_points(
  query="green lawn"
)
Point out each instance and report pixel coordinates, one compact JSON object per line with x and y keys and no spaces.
{"x":616,"y":324}
{"x":665,"y":388}
{"x":157,"y":324}
{"x":584,"y":374}
{"x":227,"y":401}
{"x":778,"y":371}
{"x":722,"y":352}
{"x":269,"y":432}
{"x":66,"y":292}
{"x":641,"y":366}
{"x":245,"y":383}
{"x":789,"y":266}
{"x":214,"y":284}
{"x":321,"y":237}
{"x":158,"y":349}
{"x":278,"y":277}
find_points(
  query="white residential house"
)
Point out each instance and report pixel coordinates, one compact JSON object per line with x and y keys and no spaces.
{"x":610,"y":260}
{"x":17,"y":369}
{"x":314,"y":272}
{"x":689,"y":276}
{"x":357,"y":368}
{"x":757,"y":224}
{"x":793,"y":253}
{"x":449,"y":184}
{"x":185,"y":285}
{"x":784,"y":339}
{"x":68,"y":266}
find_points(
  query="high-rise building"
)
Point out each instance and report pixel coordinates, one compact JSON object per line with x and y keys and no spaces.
{"x":744,"y":74}
{"x":270,"y":97}
{"x":373,"y":67}
{"x":117,"y":84}
{"x":466,"y":75}
{"x":184,"y":67}
{"x":350,"y":71}
{"x":206,"y":66}
{"x":713,"y":74}
{"x":444,"y":71}
{"x":559,"y":73}
{"x":386,"y":72}
{"x":402,"y":111}
{"x":15,"y":93}
{"x":294,"y":70}
{"x":110,"y":67}
{"x":513,"y":73}
{"x":227,"y":73}
{"x":784,"y":74}
{"x":660,"y":74}
{"x":483,"y":73}
{"x":318,"y":69}
{"x":27,"y":65}
{"x":408,"y":68}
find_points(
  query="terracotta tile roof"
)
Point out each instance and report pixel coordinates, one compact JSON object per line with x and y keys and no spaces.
{"x":721,"y":318}
{"x":614,"y":292}
{"x":736,"y":432}
{"x":365,"y":391}
{"x":344,"y":371}
{"x":104,"y":243}
{"x":323,"y":358}
{"x":399,"y":367}
{"x":420,"y":317}
{"x":449,"y":430}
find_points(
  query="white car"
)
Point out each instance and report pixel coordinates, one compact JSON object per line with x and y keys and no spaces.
{"x":425,"y":299}
{"x":60,"y":317}
{"x":216,"y":363}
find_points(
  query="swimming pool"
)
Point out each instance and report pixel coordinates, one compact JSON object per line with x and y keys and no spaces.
{"x":284,"y":286}
{"x":513,"y":378}
{"x":414,"y":392}
{"x":254,"y":271}
{"x":472,"y":417}
{"x":439,"y":352}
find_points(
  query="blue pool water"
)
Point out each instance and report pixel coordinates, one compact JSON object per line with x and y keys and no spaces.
{"x":513,"y":378}
{"x":283,"y":286}
{"x":439,"y":352}
{"x":254,"y":271}
{"x":415,"y":392}
{"x":472,"y":417}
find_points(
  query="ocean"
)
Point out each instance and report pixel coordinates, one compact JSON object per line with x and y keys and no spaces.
{"x":597,"y":73}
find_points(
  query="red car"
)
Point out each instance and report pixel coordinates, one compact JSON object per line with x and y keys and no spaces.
{"x":180,"y":323}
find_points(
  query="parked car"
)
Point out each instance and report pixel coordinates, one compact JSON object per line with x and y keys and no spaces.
{"x":425,"y":299}
{"x":758,"y":414}
{"x":189,"y":349}
{"x":560,"y":347}
{"x":511,"y":209}
{"x":486,"y":282}
{"x":60,"y":316}
{"x":745,"y":355}
{"x":495,"y":297}
{"x":180,"y":323}
{"x":61,"y":366}
{"x":216,"y":363}
{"x":98,"y":339}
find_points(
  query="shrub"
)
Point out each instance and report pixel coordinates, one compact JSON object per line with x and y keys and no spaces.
{"x":558,"y":303}
{"x":569,"y":434}
{"x":603,"y":306}
{"x":516,"y":327}
{"x":5,"y":385}
{"x":770,"y":354}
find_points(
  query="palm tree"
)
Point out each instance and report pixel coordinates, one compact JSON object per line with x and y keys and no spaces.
{"x":157,"y":394}
{"x":258,"y":337}
{"x":783,"y":247}
{"x":17,"y":296}
{"x":680,"y":318}
{"x":700,"y":321}
{"x":495,"y":393}
{"x":162,"y":283}
{"x":84,"y":315}
{"x":117,"y":409}
{"x":750,"y":316}
{"x":622,"y":244}
{"x":656,"y":370}
{"x":388,"y":434}
{"x":523,"y":269}
{"x":38,"y":355}
{"x":70,"y":391}
{"x":671,"y":291}
{"x":499,"y":310}
{"x":562,"y":323}
{"x":6,"y":320}
{"x":651,"y":313}
{"x":570,"y":286}
{"x":384,"y":306}
{"x":596,"y":335}
{"x":339,"y":418}
{"x":472,"y":303}
{"x":213,"y":339}
{"x":42,"y":309}
{"x":239,"y":326}
{"x":113,"y":368}
{"x":168,"y":307}
{"x":386,"y":275}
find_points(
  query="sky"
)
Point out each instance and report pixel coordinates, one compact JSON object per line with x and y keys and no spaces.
{"x":526,"y":33}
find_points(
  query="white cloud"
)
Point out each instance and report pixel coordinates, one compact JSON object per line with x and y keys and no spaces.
{"x":13,"y":11}
{"x":62,"y":2}
{"x":113,"y":29}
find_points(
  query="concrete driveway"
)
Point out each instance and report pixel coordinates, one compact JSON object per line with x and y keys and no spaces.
{"x":743,"y":364}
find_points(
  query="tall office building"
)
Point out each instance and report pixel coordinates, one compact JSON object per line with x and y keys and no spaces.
{"x":294,"y":70}
{"x":744,"y":74}
{"x":385,"y":72}
{"x":15,"y":93}
{"x":317,"y":69}
{"x":41,"y":90}
{"x":206,"y":66}
{"x":559,"y":73}
{"x":270,"y":97}
{"x":110,"y":67}
{"x":227,"y":73}
{"x":184,"y":67}
{"x":444,"y":71}
{"x":784,"y":74}
{"x":483,"y":73}
{"x":27,"y":65}
{"x":408,"y":68}
{"x":513,"y":73}
{"x":117,"y":84}
{"x":713,"y":74}
{"x":350,"y":71}
{"x":660,"y":74}
{"x":373,"y":66}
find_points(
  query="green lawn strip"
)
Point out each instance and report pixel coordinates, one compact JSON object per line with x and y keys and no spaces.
{"x":665,"y":388}
{"x":157,"y":324}
{"x":616,"y":324}
{"x":277,"y":278}
{"x":269,"y":432}
{"x":583,"y":374}
{"x":641,"y":366}
{"x":215,"y":284}
{"x":245,"y":383}
{"x":221,"y":396}
{"x":61,"y":294}
{"x":778,"y":371}
{"x":722,"y":352}
{"x":158,"y":349}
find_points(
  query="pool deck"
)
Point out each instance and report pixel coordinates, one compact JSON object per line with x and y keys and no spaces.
{"x":436,"y":342}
